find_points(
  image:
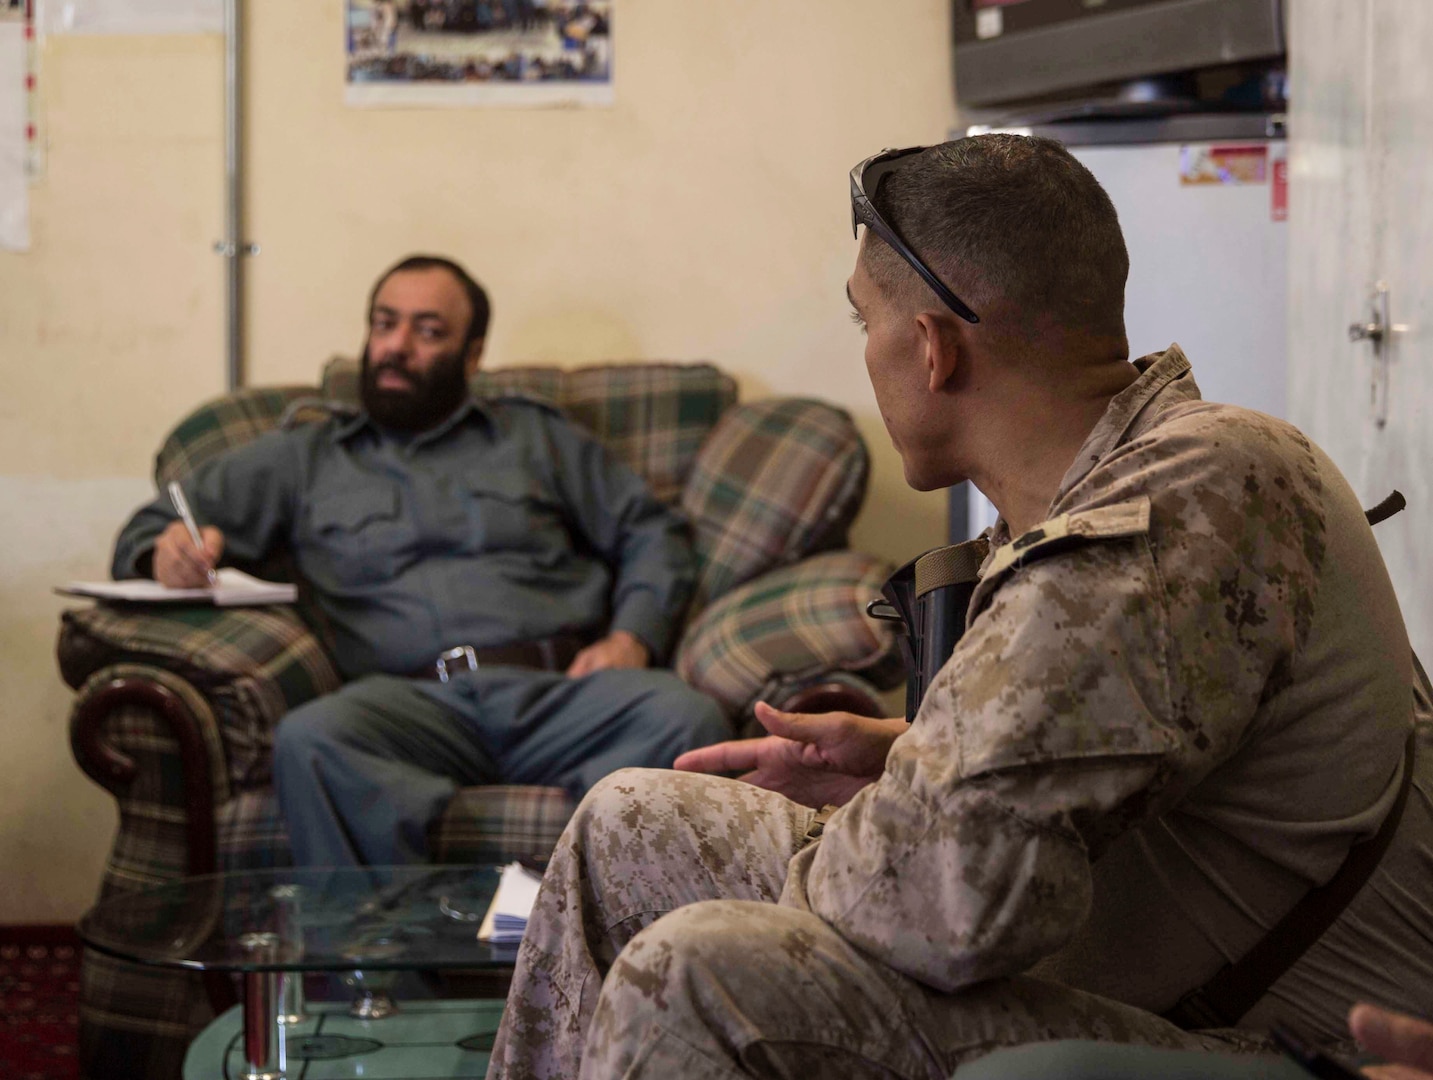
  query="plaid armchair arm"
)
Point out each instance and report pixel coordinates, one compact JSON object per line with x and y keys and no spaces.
{"x":148,"y":737}
{"x":249,"y":666}
{"x":798,"y":637}
{"x":174,"y":713}
{"x":151,"y":739}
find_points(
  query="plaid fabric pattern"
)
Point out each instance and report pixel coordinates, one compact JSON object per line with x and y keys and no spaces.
{"x":792,"y":624}
{"x":776,"y":481}
{"x":221,"y":425}
{"x":500,"y":824}
{"x":137,"y":1020}
{"x":496,"y":824}
{"x":652,"y":417}
{"x":252,"y":835}
{"x":252,"y":665}
{"x":150,"y":846}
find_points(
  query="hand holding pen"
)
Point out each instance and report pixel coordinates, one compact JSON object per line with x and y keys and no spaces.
{"x":184,"y":554}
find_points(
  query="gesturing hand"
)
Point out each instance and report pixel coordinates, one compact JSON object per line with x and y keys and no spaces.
{"x":178,"y":564}
{"x":811,"y":758}
{"x":1405,"y":1042}
{"x":618,"y":649}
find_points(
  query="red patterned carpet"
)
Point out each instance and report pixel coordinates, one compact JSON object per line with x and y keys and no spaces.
{"x":39,"y":992}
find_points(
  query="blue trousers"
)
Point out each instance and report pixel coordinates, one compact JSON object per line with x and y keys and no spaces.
{"x":362,"y":772}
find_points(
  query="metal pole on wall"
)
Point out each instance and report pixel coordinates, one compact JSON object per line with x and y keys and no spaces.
{"x":234,"y":247}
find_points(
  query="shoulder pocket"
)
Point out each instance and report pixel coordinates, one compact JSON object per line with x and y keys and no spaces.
{"x":1060,"y":534}
{"x":1056,"y":535}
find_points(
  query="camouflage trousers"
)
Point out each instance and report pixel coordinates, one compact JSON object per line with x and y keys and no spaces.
{"x":656,"y":950}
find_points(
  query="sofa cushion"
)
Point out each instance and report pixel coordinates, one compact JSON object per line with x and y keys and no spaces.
{"x":251,"y":664}
{"x":796,"y":622}
{"x":494,"y":824}
{"x":777,"y":480}
{"x":653,"y":417}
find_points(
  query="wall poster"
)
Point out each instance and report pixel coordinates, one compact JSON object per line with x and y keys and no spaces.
{"x":479,"y":52}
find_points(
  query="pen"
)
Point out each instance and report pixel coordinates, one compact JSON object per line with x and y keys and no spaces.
{"x":176,"y":496}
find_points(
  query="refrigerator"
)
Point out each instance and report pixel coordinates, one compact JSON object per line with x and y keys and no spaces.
{"x":1203,"y":202}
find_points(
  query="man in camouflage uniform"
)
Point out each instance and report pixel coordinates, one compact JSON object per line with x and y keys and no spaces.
{"x":1184,"y":692}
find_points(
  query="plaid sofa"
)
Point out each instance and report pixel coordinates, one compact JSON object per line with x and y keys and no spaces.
{"x":175,"y":707}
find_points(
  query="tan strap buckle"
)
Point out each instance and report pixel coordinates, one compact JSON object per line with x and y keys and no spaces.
{"x":818,"y":823}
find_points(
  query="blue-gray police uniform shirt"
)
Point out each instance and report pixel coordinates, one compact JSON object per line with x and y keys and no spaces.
{"x":505,"y":523}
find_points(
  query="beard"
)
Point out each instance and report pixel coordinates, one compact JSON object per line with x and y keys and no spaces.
{"x":429,"y":399}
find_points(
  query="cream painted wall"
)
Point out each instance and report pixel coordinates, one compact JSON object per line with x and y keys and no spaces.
{"x":703,"y":217}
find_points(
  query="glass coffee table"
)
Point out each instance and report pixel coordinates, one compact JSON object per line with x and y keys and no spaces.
{"x":271,"y":926}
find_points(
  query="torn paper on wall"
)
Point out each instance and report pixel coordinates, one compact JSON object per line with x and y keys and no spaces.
{"x":131,"y":16}
{"x":14,"y":178}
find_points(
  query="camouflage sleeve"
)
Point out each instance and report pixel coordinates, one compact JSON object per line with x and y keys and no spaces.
{"x":1049,"y":731}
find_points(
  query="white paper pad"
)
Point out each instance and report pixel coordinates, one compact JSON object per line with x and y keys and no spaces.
{"x":235,"y":589}
{"x":511,"y":907}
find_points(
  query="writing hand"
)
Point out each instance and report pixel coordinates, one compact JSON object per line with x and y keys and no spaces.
{"x":178,"y":564}
{"x":1405,"y":1042}
{"x":811,"y":758}
{"x":618,"y":649}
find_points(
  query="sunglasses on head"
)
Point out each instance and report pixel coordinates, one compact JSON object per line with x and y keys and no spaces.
{"x":867,"y":176}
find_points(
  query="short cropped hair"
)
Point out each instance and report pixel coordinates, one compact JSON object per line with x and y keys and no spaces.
{"x":477,"y":295}
{"x":1006,"y":216}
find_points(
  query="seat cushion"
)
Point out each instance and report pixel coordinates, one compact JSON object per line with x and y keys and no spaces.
{"x":778,"y":480}
{"x":653,"y":417}
{"x":495,"y":824}
{"x":793,"y":623}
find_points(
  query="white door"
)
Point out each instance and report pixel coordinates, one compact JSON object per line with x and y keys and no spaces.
{"x":1361,"y":214}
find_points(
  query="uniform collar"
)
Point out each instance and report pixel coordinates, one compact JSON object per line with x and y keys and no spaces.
{"x":1157,"y":372}
{"x":470,"y":409}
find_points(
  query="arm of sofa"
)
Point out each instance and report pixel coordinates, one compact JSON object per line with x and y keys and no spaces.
{"x":148,"y":737}
{"x":249,"y":666}
{"x":797,"y":637}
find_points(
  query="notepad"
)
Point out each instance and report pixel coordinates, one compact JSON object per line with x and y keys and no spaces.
{"x":511,"y":907}
{"x":235,"y":589}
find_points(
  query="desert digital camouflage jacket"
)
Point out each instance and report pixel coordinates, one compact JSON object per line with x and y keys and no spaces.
{"x":1176,"y":705}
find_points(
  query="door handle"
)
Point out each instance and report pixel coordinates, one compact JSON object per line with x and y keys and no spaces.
{"x":1378,"y":331}
{"x":1369,"y":331}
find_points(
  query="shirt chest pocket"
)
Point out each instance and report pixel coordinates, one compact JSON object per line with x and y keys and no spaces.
{"x":510,"y":512}
{"x":360,"y":537}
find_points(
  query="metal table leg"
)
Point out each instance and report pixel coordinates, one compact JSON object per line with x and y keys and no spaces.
{"x":289,"y":927}
{"x":265,"y":1050}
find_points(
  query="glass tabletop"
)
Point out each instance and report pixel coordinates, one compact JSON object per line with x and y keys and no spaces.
{"x":384,"y":917}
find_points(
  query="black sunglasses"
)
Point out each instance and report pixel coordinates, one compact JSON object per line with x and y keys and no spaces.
{"x":867,"y":176}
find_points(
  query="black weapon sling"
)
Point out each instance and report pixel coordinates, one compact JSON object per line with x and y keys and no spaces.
{"x":1235,"y":989}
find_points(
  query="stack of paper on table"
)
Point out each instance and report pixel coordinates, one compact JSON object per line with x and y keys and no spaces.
{"x":511,"y":907}
{"x":235,"y":589}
